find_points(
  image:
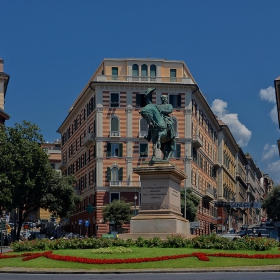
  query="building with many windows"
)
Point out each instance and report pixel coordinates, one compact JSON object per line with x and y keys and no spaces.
{"x":102,"y":139}
{"x":4,"y":81}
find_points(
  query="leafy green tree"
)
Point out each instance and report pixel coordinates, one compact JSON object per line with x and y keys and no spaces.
{"x":27,"y":181}
{"x":118,"y":211}
{"x":272,"y":204}
{"x":192,"y":202}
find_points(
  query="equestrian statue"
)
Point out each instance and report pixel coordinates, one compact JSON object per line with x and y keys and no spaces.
{"x":161,"y":130}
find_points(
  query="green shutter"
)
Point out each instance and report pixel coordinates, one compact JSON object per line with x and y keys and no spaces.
{"x":108,"y":174}
{"x":121,"y":174}
{"x":178,"y":150}
{"x":108,"y":149}
{"x":120,"y":149}
{"x":179,"y":102}
{"x":153,"y":70}
{"x":138,"y":100}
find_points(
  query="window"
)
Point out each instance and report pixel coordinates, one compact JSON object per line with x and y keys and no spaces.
{"x":177,"y":152}
{"x":114,"y":175}
{"x":175,"y":100}
{"x":172,"y":75}
{"x":175,"y":123}
{"x":115,"y":99}
{"x":114,"y":196}
{"x":115,"y":73}
{"x":114,"y":149}
{"x":115,"y":127}
{"x":153,"y":70}
{"x":143,"y":128}
{"x":140,"y":100}
{"x":143,"y":149}
{"x":135,"y":72}
{"x":144,"y":72}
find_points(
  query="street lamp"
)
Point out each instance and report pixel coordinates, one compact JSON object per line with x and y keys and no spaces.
{"x":135,"y":198}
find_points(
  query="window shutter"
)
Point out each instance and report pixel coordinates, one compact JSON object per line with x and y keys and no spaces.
{"x":108,"y":174}
{"x":120,"y":149}
{"x":179,"y":102}
{"x":121,"y":174}
{"x":171,"y":101}
{"x":138,"y":100}
{"x":178,"y":150}
{"x":108,"y":149}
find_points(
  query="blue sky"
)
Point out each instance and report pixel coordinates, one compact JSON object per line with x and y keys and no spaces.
{"x":51,"y":49}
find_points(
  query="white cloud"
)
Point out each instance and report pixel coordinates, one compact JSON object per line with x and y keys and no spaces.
{"x":269,"y":151}
{"x":240,"y":132}
{"x":273,"y":169}
{"x":268,"y":94}
{"x":273,"y":114}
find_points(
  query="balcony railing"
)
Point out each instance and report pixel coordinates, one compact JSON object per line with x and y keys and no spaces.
{"x":142,"y":134}
{"x":196,"y":142}
{"x":143,"y":79}
{"x":210,"y":194}
{"x":115,"y":134}
{"x":89,"y":139}
{"x":125,"y":184}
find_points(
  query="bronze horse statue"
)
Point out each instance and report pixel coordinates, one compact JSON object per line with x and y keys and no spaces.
{"x":159,"y":132}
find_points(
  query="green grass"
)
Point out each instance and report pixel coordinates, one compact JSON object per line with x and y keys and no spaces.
{"x":138,"y":252}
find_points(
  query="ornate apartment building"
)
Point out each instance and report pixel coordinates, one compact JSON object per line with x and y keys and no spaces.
{"x":4,"y":81}
{"x":102,"y":140}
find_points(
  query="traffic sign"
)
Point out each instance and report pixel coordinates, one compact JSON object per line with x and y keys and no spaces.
{"x":80,"y":222}
{"x":86,"y":223}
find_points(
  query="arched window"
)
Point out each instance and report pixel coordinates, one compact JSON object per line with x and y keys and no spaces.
{"x":115,"y":126}
{"x":143,"y":127}
{"x":135,"y":72}
{"x":153,"y":70}
{"x":144,"y":72}
{"x":115,"y":173}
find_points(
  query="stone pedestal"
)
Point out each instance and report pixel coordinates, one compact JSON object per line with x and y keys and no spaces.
{"x":160,"y":213}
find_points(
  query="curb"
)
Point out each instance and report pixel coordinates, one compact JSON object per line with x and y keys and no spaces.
{"x":272,"y":268}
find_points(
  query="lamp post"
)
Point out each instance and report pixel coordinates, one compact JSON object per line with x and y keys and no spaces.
{"x":135,"y":198}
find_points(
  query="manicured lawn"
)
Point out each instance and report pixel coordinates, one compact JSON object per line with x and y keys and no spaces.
{"x":137,"y":252}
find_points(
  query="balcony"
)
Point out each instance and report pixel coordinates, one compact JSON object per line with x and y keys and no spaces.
{"x":142,"y":134}
{"x":133,"y":184}
{"x":196,"y":142}
{"x":209,"y":195}
{"x":115,"y":134}
{"x":144,"y":79}
{"x":217,"y":165}
{"x":63,"y":165}
{"x":89,"y":139}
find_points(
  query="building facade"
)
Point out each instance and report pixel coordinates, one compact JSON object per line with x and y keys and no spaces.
{"x":4,"y":81}
{"x":102,"y":139}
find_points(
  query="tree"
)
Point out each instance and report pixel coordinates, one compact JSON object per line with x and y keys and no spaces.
{"x":192,"y":202}
{"x":118,"y":211}
{"x":27,"y":181}
{"x":272,"y":204}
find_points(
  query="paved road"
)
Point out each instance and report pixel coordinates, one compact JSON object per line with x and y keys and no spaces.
{"x":148,"y":276}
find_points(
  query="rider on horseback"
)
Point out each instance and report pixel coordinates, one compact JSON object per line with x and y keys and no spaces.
{"x":164,"y":109}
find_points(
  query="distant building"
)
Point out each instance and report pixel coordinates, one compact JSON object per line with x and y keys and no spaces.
{"x":4,"y":81}
{"x":54,"y":151}
{"x":277,"y":93}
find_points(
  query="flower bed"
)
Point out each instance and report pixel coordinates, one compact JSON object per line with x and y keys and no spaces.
{"x":200,"y":256}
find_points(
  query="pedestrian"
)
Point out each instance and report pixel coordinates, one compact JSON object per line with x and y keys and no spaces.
{"x":259,"y":234}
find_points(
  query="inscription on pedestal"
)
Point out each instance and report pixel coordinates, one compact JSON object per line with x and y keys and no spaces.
{"x":154,"y":194}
